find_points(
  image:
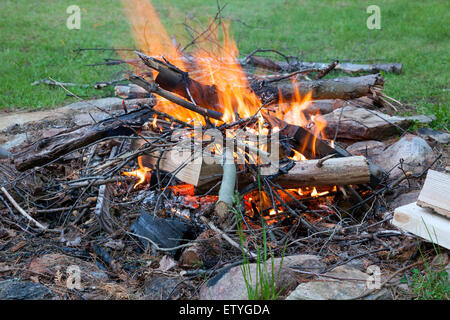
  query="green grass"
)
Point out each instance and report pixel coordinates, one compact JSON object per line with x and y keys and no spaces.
{"x":433,"y":282}
{"x":264,"y":286}
{"x":36,"y":44}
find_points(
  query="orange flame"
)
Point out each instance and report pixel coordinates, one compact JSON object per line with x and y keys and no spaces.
{"x":314,"y":193}
{"x":141,"y":173}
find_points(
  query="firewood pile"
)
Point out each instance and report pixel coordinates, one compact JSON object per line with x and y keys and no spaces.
{"x":276,"y":148}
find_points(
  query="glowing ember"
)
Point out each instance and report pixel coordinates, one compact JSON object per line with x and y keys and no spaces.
{"x":142,"y":173}
{"x":183,"y":190}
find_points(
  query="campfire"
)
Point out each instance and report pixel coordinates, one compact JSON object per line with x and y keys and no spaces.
{"x":209,"y":144}
{"x":209,"y":92}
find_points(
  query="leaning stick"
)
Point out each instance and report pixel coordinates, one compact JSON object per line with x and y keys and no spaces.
{"x":21,"y":211}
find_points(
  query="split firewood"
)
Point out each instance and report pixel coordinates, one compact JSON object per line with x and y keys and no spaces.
{"x":424,"y":223}
{"x":49,"y":149}
{"x":188,"y":168}
{"x":283,"y":66}
{"x":432,"y":196}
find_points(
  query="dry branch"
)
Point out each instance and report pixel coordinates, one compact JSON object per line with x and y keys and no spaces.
{"x":22,"y":212}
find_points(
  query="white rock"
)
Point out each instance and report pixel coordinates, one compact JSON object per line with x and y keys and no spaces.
{"x":353,"y":284}
{"x":415,"y":152}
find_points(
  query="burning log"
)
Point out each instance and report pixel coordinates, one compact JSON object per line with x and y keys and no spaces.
{"x":344,"y":88}
{"x":49,"y":149}
{"x":312,"y":146}
{"x":282,"y":66}
{"x":172,"y":79}
{"x":175,"y":80}
{"x":337,"y":171}
{"x":197,"y":172}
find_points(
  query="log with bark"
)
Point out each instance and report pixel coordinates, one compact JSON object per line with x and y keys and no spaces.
{"x":292,"y":66}
{"x":49,"y":149}
{"x":340,"y":88}
{"x":310,"y":146}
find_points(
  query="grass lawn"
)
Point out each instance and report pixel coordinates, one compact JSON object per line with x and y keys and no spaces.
{"x":35,"y":42}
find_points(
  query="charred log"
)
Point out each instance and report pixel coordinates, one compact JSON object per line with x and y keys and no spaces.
{"x":49,"y":149}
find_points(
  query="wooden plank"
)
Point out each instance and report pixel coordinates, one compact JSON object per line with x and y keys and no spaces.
{"x":179,"y":162}
{"x":417,"y":220}
{"x":435,"y":193}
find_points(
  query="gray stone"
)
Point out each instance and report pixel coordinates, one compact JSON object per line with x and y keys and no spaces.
{"x":161,"y":288}
{"x":368,"y":148}
{"x":24,"y":290}
{"x":13,"y":141}
{"x":438,"y":136}
{"x":352,"y":283}
{"x":230,"y":284}
{"x":404,"y":198}
{"x":4,"y":154}
{"x":415,"y":152}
